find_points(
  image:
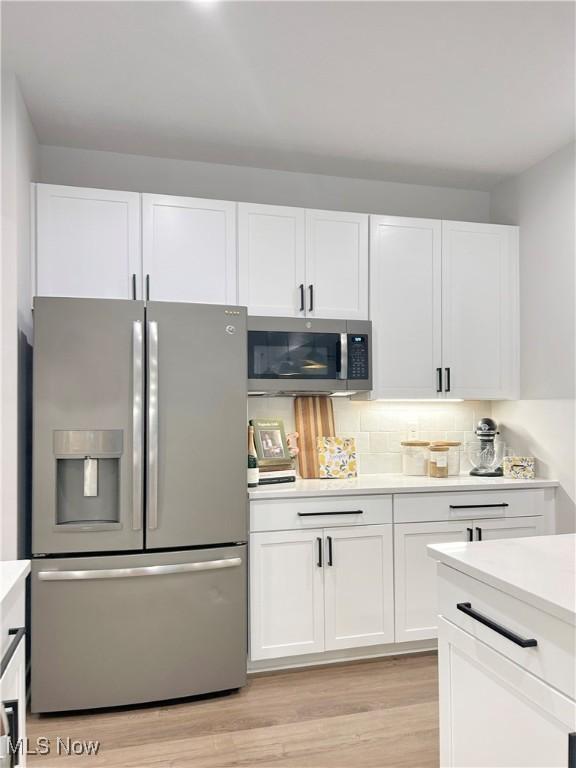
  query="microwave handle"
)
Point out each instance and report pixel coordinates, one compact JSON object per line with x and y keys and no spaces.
{"x":343,"y":373}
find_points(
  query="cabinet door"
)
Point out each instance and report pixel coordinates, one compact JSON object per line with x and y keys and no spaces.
{"x":337,"y":265}
{"x":509,"y":528}
{"x":494,"y":713}
{"x":286,"y":594}
{"x":480,"y":310}
{"x":358,"y":585}
{"x":271,"y":245}
{"x":405,"y":306}
{"x":13,"y":703}
{"x":415,"y":575}
{"x":87,"y":242}
{"x":189,"y":249}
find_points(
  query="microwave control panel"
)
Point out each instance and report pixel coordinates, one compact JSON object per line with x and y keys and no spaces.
{"x":358,"y":363}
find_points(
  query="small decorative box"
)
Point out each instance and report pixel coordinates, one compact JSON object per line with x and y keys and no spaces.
{"x":337,"y":457}
{"x":518,"y":467}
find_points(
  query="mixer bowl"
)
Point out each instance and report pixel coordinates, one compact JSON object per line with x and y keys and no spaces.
{"x":485,"y":457}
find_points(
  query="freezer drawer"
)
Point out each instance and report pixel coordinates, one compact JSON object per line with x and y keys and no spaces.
{"x":126,"y":629}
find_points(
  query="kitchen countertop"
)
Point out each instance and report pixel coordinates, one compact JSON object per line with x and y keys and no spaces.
{"x":11,"y":571}
{"x":540,"y":570}
{"x":390,"y":483}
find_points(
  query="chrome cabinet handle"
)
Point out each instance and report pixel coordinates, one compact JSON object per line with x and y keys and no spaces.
{"x":152,"y":489}
{"x":498,"y":628}
{"x":137,"y":386}
{"x":134,"y":287}
{"x":145,"y":570}
{"x":147,"y":287}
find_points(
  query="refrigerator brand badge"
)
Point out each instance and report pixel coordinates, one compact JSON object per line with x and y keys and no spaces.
{"x":231,"y":329}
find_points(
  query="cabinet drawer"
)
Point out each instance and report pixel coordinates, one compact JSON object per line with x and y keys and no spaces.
{"x":424,"y":507}
{"x":289,"y":514}
{"x":552,"y":659}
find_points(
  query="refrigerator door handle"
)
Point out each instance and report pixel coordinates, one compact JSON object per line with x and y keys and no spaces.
{"x":152,"y":490}
{"x":137,"y":388}
{"x":146,"y":570}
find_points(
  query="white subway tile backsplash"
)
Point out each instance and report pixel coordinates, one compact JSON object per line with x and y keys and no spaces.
{"x":379,"y":427}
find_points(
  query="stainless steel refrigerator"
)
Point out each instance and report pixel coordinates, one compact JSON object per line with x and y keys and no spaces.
{"x":139,"y":502}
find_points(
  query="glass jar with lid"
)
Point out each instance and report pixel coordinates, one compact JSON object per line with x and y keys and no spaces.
{"x":453,"y":455}
{"x":415,"y":457}
{"x":438,"y":462}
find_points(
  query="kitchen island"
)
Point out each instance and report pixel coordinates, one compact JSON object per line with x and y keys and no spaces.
{"x":506,"y":644}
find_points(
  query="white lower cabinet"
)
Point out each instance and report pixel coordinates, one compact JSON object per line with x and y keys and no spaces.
{"x":320,"y":589}
{"x":358,"y":587}
{"x":286,"y":593}
{"x":493,"y":714}
{"x":415,"y":573}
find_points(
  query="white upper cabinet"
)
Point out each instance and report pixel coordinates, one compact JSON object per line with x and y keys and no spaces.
{"x":189,"y":249}
{"x":271,"y":259}
{"x":87,"y":242}
{"x":444,"y":308}
{"x":480,"y":310}
{"x":297,"y":263}
{"x":337,"y":265}
{"x":405,"y":306}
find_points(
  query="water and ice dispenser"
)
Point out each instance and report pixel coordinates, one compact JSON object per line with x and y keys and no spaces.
{"x":88,"y":476}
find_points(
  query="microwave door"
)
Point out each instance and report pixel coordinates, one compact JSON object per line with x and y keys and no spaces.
{"x":287,"y":360}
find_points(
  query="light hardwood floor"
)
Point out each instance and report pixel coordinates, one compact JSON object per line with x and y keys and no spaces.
{"x":381,"y":713}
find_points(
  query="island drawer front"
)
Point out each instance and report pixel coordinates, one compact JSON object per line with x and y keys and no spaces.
{"x":319,"y":512}
{"x":466,"y":505}
{"x":551,"y":660}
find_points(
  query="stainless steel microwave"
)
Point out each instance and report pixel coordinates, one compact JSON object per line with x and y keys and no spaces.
{"x":293,"y":355}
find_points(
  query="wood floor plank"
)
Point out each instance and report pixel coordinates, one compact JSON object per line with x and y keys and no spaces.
{"x":374,"y":713}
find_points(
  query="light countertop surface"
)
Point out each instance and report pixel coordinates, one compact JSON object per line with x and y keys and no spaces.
{"x":540,"y":570}
{"x":390,"y":483}
{"x":11,"y":571}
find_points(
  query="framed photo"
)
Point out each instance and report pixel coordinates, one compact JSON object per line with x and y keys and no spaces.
{"x":271,"y":443}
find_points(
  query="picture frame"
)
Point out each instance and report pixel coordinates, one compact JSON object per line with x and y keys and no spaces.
{"x":270,"y":441}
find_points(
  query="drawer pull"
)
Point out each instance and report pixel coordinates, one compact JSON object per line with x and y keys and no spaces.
{"x":17,"y":634}
{"x":508,"y":634}
{"x":319,"y":542}
{"x":320,"y":514}
{"x":572,"y":750}
{"x":478,"y":506}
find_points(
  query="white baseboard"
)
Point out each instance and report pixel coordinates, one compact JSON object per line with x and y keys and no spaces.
{"x":335,"y":657}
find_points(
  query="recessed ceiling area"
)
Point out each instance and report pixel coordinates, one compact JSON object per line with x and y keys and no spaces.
{"x":449,"y":93}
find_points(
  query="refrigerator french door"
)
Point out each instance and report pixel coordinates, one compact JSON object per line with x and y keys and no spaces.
{"x":139,"y":502}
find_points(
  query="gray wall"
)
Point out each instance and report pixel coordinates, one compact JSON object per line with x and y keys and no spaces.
{"x":542,"y":423}
{"x":111,"y":170}
{"x":19,"y":168}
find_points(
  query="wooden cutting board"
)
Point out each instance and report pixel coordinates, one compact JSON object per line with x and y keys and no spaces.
{"x":314,"y":417}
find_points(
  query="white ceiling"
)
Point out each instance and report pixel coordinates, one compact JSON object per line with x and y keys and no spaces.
{"x":449,"y":93}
